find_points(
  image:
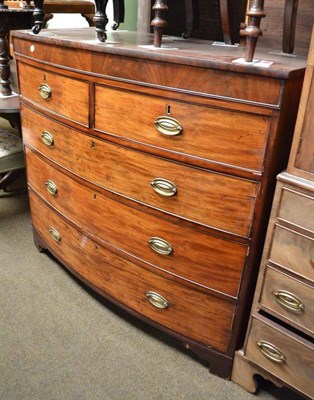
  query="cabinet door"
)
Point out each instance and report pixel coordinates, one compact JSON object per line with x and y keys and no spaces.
{"x":301,"y":161}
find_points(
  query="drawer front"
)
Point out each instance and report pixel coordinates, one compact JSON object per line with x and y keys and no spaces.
{"x":293,"y":251}
{"x":187,"y":253}
{"x":297,"y":208}
{"x":289,"y":298}
{"x":188,"y":312}
{"x":190,"y":129}
{"x":211,"y":199}
{"x":297,"y":367}
{"x":67,"y":96}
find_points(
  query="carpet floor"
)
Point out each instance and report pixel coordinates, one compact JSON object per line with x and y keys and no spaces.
{"x":59,"y":341}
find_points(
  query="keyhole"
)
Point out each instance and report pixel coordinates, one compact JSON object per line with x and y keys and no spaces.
{"x":168,"y":109}
{"x":92,"y":145}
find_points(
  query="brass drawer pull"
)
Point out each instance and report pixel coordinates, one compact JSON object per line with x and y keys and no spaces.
{"x":55,"y":234}
{"x":160,"y":246}
{"x":164,"y":187}
{"x":272,"y":352}
{"x":51,"y":187}
{"x":47,"y":138}
{"x":45,"y":91}
{"x":168,"y":126}
{"x":289,"y":300}
{"x":156,"y":300}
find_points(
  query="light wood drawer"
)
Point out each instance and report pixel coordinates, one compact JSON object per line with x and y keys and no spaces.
{"x":293,"y":251}
{"x":187,"y":253}
{"x":211,"y":199}
{"x":297,"y":208}
{"x":297,"y":368}
{"x":187,"y":312}
{"x":289,"y":298}
{"x":69,"y":97}
{"x":203,"y":131}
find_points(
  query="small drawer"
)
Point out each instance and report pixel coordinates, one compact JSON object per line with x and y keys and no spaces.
{"x":215,"y":200}
{"x":286,"y":356}
{"x":180,"y":127}
{"x":188,"y":312}
{"x":297,"y":208}
{"x":289,"y":298}
{"x":62,"y":95}
{"x":187,"y":253}
{"x":293,"y":251}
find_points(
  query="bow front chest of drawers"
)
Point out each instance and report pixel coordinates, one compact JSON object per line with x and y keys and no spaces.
{"x":151,"y":172}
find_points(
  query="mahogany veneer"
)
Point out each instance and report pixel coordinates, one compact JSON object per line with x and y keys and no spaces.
{"x":151,"y":173}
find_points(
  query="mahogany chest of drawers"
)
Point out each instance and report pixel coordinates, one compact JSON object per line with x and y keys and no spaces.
{"x":279,"y":342}
{"x":151,"y":172}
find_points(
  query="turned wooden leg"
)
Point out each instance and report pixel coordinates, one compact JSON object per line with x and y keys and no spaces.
{"x":253,"y":31}
{"x":289,"y":23}
{"x":100,"y":19}
{"x":159,"y":23}
{"x":4,"y":65}
{"x":38,"y":16}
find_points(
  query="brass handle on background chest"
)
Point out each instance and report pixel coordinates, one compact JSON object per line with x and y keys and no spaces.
{"x":160,"y":246}
{"x":168,"y":126}
{"x":47,"y":138}
{"x":157,"y":300}
{"x":163,"y":187}
{"x":55,"y":234}
{"x":45,"y":91}
{"x":51,"y":187}
{"x":271,"y":352}
{"x":289,"y":300}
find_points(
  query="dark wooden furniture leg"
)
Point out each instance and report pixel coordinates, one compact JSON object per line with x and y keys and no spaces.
{"x":253,"y":31}
{"x":100,"y":19}
{"x":159,"y":23}
{"x":2,"y":5}
{"x":118,"y":13}
{"x":189,"y":19}
{"x":38,"y":16}
{"x":225,"y":13}
{"x":4,"y":63}
{"x":289,"y":24}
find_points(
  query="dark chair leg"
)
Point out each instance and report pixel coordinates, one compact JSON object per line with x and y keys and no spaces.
{"x":289,"y":24}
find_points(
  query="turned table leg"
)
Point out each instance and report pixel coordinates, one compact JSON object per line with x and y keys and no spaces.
{"x":253,"y":31}
{"x":4,"y":65}
{"x":159,"y":23}
{"x":100,"y":19}
{"x":38,"y":16}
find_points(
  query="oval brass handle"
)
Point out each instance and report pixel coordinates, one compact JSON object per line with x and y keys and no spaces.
{"x":45,"y":91}
{"x":157,"y":300}
{"x":51,"y":187}
{"x":55,"y":234}
{"x":163,"y":187}
{"x":272,"y":352}
{"x":168,"y":126}
{"x":160,"y":246}
{"x":289,"y":300}
{"x":47,"y":138}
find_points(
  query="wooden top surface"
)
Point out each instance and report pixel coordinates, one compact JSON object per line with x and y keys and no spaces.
{"x":176,"y":50}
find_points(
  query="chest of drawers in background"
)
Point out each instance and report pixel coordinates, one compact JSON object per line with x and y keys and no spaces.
{"x":151,"y":173}
{"x":279,"y":343}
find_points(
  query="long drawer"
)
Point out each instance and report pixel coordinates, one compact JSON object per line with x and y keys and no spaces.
{"x":194,"y":130}
{"x":215,"y":200}
{"x":58,"y":93}
{"x":286,"y":356}
{"x":288,"y":298}
{"x":188,"y":253}
{"x":177,"y":307}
